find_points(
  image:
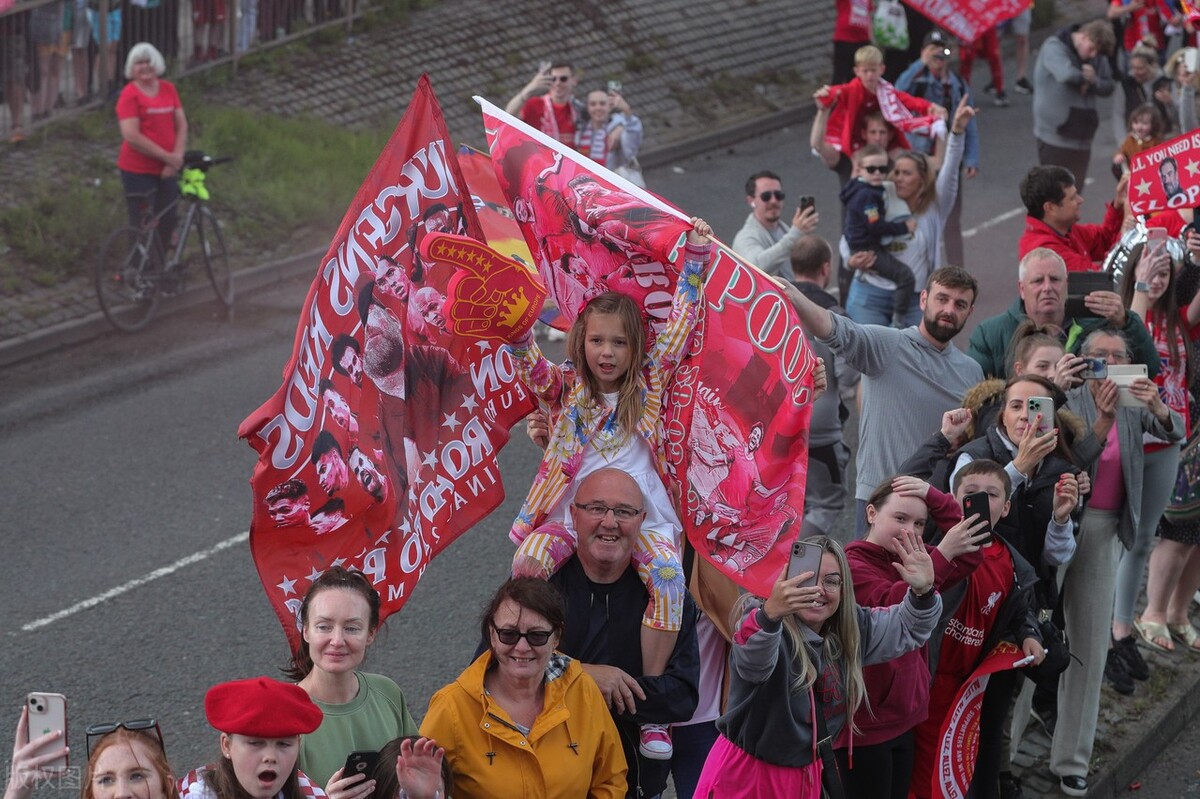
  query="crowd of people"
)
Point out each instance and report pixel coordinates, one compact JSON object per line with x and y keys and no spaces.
{"x":40,"y":38}
{"x":1016,"y":492}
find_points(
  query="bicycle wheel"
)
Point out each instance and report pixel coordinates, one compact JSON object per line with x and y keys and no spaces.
{"x":216,"y":259}
{"x":127,"y":279}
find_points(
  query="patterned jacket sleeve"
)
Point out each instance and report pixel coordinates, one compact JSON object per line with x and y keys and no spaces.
{"x":543,"y":377}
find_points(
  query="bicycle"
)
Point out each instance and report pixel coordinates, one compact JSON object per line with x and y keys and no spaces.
{"x":132,"y":272}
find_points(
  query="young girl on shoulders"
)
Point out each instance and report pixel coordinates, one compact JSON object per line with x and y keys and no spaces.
{"x":606,"y":411}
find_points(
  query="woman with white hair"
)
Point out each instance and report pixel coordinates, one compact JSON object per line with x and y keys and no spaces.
{"x":154,"y":136}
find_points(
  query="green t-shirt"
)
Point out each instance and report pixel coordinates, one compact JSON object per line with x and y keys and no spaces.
{"x":377,"y":715}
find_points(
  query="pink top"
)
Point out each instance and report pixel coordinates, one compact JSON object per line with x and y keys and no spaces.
{"x":1108,"y":490}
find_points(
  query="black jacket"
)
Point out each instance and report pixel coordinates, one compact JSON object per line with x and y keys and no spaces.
{"x":604,"y":626}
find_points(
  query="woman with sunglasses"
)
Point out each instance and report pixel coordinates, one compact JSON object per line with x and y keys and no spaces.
{"x":524,"y":720}
{"x":929,"y":195}
{"x":124,"y":759}
{"x":797,"y":672}
{"x":339,"y":619}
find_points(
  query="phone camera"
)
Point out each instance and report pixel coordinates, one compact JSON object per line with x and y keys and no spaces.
{"x":37,"y":704}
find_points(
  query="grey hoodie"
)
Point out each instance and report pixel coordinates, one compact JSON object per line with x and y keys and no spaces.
{"x":1064,"y":107}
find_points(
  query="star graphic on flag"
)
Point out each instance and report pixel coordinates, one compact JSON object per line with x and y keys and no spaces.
{"x":339,"y":562}
{"x":383,"y":539}
{"x":429,"y":460}
{"x":451,"y":421}
{"x":1143,"y":187}
{"x":484,"y":346}
{"x":314,"y":575}
{"x":287,"y":586}
{"x":470,"y":404}
{"x":405,"y":528}
{"x":416,"y":482}
{"x":1193,"y":168}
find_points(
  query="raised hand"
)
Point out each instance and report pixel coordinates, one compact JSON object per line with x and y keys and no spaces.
{"x":915,"y":566}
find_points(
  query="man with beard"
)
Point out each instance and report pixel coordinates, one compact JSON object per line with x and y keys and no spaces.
{"x":1042,"y":290}
{"x":910,"y":377}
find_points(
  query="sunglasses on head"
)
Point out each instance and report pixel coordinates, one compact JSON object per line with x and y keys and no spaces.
{"x":767,"y":195}
{"x":137,"y":725}
{"x":510,"y":637}
{"x":875,"y":170}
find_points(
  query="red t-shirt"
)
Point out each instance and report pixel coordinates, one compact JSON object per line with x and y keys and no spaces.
{"x":156,"y":121}
{"x":853,"y":22}
{"x":987,"y":588}
{"x":1171,"y":380}
{"x":533,"y":113}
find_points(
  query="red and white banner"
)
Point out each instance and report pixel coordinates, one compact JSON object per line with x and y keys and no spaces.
{"x":959,"y":747}
{"x":969,"y":19}
{"x":1166,"y":177}
{"x":380,"y":447}
{"x":736,"y":421}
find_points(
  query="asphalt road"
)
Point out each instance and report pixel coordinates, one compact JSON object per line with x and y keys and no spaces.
{"x":130,"y":587}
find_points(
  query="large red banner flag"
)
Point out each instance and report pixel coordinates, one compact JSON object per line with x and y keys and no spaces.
{"x":955,"y":764}
{"x":1167,"y":176}
{"x":735,"y":424}
{"x":380,"y":447}
{"x":969,"y":19}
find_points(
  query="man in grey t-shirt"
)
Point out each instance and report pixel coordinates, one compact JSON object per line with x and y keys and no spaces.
{"x":910,"y":377}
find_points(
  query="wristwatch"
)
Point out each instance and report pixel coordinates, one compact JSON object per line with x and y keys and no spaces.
{"x":1142,"y":286}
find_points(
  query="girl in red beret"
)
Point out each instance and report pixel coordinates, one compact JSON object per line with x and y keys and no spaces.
{"x":339,"y":618}
{"x":261,"y":721}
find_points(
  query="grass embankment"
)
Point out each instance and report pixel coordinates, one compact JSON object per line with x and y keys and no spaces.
{"x":290,"y":176}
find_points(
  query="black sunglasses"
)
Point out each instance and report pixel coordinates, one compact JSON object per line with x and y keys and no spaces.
{"x":560,"y":78}
{"x":767,"y":195}
{"x":876,"y":170}
{"x":137,"y":725}
{"x":511,"y":637}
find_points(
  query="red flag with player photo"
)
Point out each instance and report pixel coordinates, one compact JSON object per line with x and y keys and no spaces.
{"x":737,"y":470}
{"x":1167,"y":176}
{"x":380,"y":447}
{"x":955,"y":764}
{"x":969,"y":19}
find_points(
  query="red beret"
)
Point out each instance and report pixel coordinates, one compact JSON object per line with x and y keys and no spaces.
{"x":261,"y":708}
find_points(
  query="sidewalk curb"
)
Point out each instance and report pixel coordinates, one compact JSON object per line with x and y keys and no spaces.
{"x":1114,"y":782}
{"x":76,"y":331}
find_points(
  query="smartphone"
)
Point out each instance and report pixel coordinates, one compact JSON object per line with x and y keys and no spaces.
{"x":1081,"y":284}
{"x":614,"y":87}
{"x":1191,"y":58}
{"x":978,"y":503}
{"x":544,"y":66}
{"x":805,"y":558}
{"x":48,"y":713}
{"x":1094,"y":369}
{"x":1043,"y":406}
{"x":362,"y":762}
{"x":807,"y":201}
{"x":1025,"y":661}
{"x":1123,"y":375}
{"x":1155,"y":236}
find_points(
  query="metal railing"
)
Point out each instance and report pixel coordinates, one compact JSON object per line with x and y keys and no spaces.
{"x":57,"y":56}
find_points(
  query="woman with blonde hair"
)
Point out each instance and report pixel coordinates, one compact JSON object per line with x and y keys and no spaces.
{"x":797,"y":672}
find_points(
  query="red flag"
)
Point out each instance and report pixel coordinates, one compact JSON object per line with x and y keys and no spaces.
{"x":955,"y":764}
{"x":591,"y":231}
{"x":1167,"y":176}
{"x":969,"y":19}
{"x":379,"y":448}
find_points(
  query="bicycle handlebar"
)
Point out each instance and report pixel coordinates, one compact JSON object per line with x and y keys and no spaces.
{"x":197,"y":159}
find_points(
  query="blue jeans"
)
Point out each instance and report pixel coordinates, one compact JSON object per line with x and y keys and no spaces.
{"x":871,"y":305}
{"x":692,"y":742}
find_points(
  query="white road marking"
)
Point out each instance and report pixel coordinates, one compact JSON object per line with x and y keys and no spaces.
{"x":112,"y":593}
{"x":1004,"y":217}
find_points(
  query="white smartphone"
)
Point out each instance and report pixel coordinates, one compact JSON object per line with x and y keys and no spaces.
{"x":1045,"y":407}
{"x":1191,"y":59}
{"x":805,"y":558}
{"x":48,"y":713}
{"x":1124,"y":375}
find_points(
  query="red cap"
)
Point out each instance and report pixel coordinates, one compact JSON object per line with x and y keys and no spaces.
{"x":261,"y":708}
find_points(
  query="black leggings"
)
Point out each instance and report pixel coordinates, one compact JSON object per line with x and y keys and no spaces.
{"x":881,"y":771}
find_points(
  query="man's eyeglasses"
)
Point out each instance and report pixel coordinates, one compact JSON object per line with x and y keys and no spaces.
{"x":767,"y":195}
{"x":137,"y":725}
{"x":875,"y":170}
{"x":598,"y":510}
{"x":560,"y":78}
{"x":510,"y":637}
{"x":1117,"y":356}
